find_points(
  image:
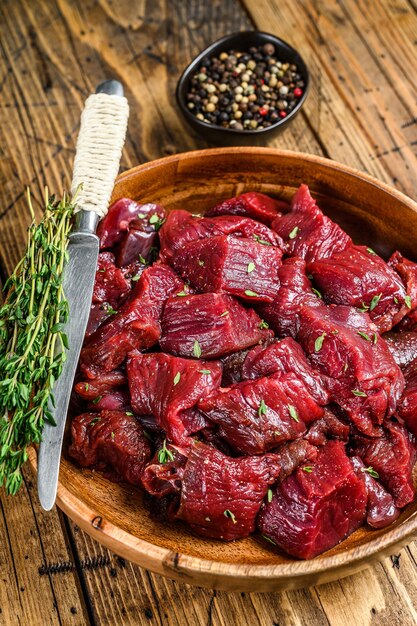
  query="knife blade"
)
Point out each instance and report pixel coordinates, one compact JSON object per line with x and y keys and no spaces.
{"x":96,"y":165}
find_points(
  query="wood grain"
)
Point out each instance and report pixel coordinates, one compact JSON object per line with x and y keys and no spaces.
{"x":53,"y":54}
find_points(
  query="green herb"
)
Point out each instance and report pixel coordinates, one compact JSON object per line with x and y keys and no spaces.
{"x":307,"y":468}
{"x":224,"y":314}
{"x":268,"y":539}
{"x":201,"y":263}
{"x":141,"y":216}
{"x":97,"y":400}
{"x":375,"y":338}
{"x":94,"y":421}
{"x":102,"y":271}
{"x":205,"y":372}
{"x":183,"y":293}
{"x":293,"y":412}
{"x":318,"y":344}
{"x":156,"y":221}
{"x":357,"y":392}
{"x":371,"y":251}
{"x":374,"y":302}
{"x":335,"y":332}
{"x":317,"y":292}
{"x":363,"y":335}
{"x":249,"y":292}
{"x":363,"y":307}
{"x":129,"y":413}
{"x":135,"y":278}
{"x":110,"y":310}
{"x":262,"y":408}
{"x":407,"y":301}
{"x":262,"y":241}
{"x":370,"y":471}
{"x":230,"y":515}
{"x":250,"y":268}
{"x":269,"y":495}
{"x":345,"y":368}
{"x":197,"y":349}
{"x":177,"y":378}
{"x":263,"y":325}
{"x":143,"y":260}
{"x":293,"y":234}
{"x":395,"y":299}
{"x":112,"y":435}
{"x":86,"y":387}
{"x":165,"y":455}
{"x":310,"y":276}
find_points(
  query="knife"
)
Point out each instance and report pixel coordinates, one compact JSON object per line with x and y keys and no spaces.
{"x":97,"y":159}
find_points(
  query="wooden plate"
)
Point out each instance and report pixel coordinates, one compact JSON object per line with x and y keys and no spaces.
{"x":373,"y":213}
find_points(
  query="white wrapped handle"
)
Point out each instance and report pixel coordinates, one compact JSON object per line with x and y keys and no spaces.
{"x":99,"y":149}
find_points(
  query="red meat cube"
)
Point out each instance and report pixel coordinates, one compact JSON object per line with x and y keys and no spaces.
{"x":407,"y":408}
{"x":358,"y":277}
{"x":392,"y":456}
{"x":99,"y":313}
{"x":330,"y":426}
{"x":240,"y":267}
{"x":136,"y":244}
{"x":257,"y":416}
{"x":110,"y":286}
{"x":284,"y":356}
{"x":307,"y":232}
{"x":295,"y":291}
{"x":166,"y":386}
{"x":208,"y":325}
{"x":110,"y":440}
{"x":317,"y":507}
{"x":221,"y":496}
{"x":255,"y":205}
{"x":121,"y":213}
{"x":355,"y":363}
{"x":407,"y":270}
{"x":403,"y":346}
{"x":181,"y":228}
{"x":136,"y":325}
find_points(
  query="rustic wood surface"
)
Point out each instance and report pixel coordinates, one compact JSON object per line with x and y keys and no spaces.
{"x":362,"y":111}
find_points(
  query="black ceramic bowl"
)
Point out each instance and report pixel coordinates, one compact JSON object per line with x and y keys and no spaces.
{"x":241,"y":42}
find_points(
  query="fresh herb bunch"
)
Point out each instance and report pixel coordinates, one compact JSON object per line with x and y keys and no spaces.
{"x":32,"y":341}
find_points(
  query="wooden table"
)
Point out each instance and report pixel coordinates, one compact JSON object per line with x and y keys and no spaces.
{"x":362,"y":111}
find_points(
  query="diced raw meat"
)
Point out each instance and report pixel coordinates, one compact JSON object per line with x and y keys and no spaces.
{"x":403,"y":346}
{"x":112,"y":227}
{"x":407,"y":270}
{"x":295,"y":292}
{"x":240,"y":267}
{"x":136,"y":325}
{"x":136,"y":244}
{"x":392,"y":456}
{"x":163,"y":476}
{"x":98,"y":314}
{"x":181,"y":228}
{"x":381,"y":510}
{"x":293,"y":454}
{"x":330,"y":426}
{"x":232,"y":368}
{"x":112,"y":440}
{"x":307,"y":232}
{"x":255,"y":205}
{"x":118,"y":400}
{"x":166,"y":386}
{"x":407,"y":408}
{"x":284,"y":356}
{"x":257,"y":416}
{"x":110,"y":285}
{"x":221,"y":496}
{"x":357,"y":276}
{"x":104,"y":384}
{"x":355,"y":363}
{"x":316,"y":507}
{"x":208,"y":325}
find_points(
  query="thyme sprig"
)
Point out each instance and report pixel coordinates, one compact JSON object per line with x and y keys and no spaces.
{"x":32,"y":340}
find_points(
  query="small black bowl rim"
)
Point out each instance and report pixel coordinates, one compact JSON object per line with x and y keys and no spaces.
{"x":216,"y":46}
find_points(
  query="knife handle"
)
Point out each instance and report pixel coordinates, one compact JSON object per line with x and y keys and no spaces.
{"x":99,"y":147}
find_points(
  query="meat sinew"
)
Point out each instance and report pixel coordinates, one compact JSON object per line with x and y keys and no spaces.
{"x":237,"y":266}
{"x":316,"y":507}
{"x":110,"y":440}
{"x":307,"y":232}
{"x":354,"y":361}
{"x":258,"y":206}
{"x":208,"y":325}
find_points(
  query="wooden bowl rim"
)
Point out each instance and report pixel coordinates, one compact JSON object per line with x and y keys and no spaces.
{"x":165,"y":561}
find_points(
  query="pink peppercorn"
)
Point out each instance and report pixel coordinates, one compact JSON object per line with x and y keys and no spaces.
{"x":298,"y":92}
{"x":282,"y":114}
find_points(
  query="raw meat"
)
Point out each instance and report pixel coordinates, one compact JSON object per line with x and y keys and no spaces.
{"x":258,"y":206}
{"x":240,"y":267}
{"x":136,"y":325}
{"x":392,"y":456}
{"x":355,"y":363}
{"x":136,"y":244}
{"x":166,"y":386}
{"x":357,"y":276}
{"x":316,"y":507}
{"x":110,"y":286}
{"x":307,"y":232}
{"x":111,"y":229}
{"x":163,"y":476}
{"x":295,"y":292}
{"x":110,"y":440}
{"x":221,"y":496}
{"x":208,"y":325}
{"x":403,"y":346}
{"x":381,"y":510}
{"x":257,"y":416}
{"x":330,"y":426}
{"x":407,"y":409}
